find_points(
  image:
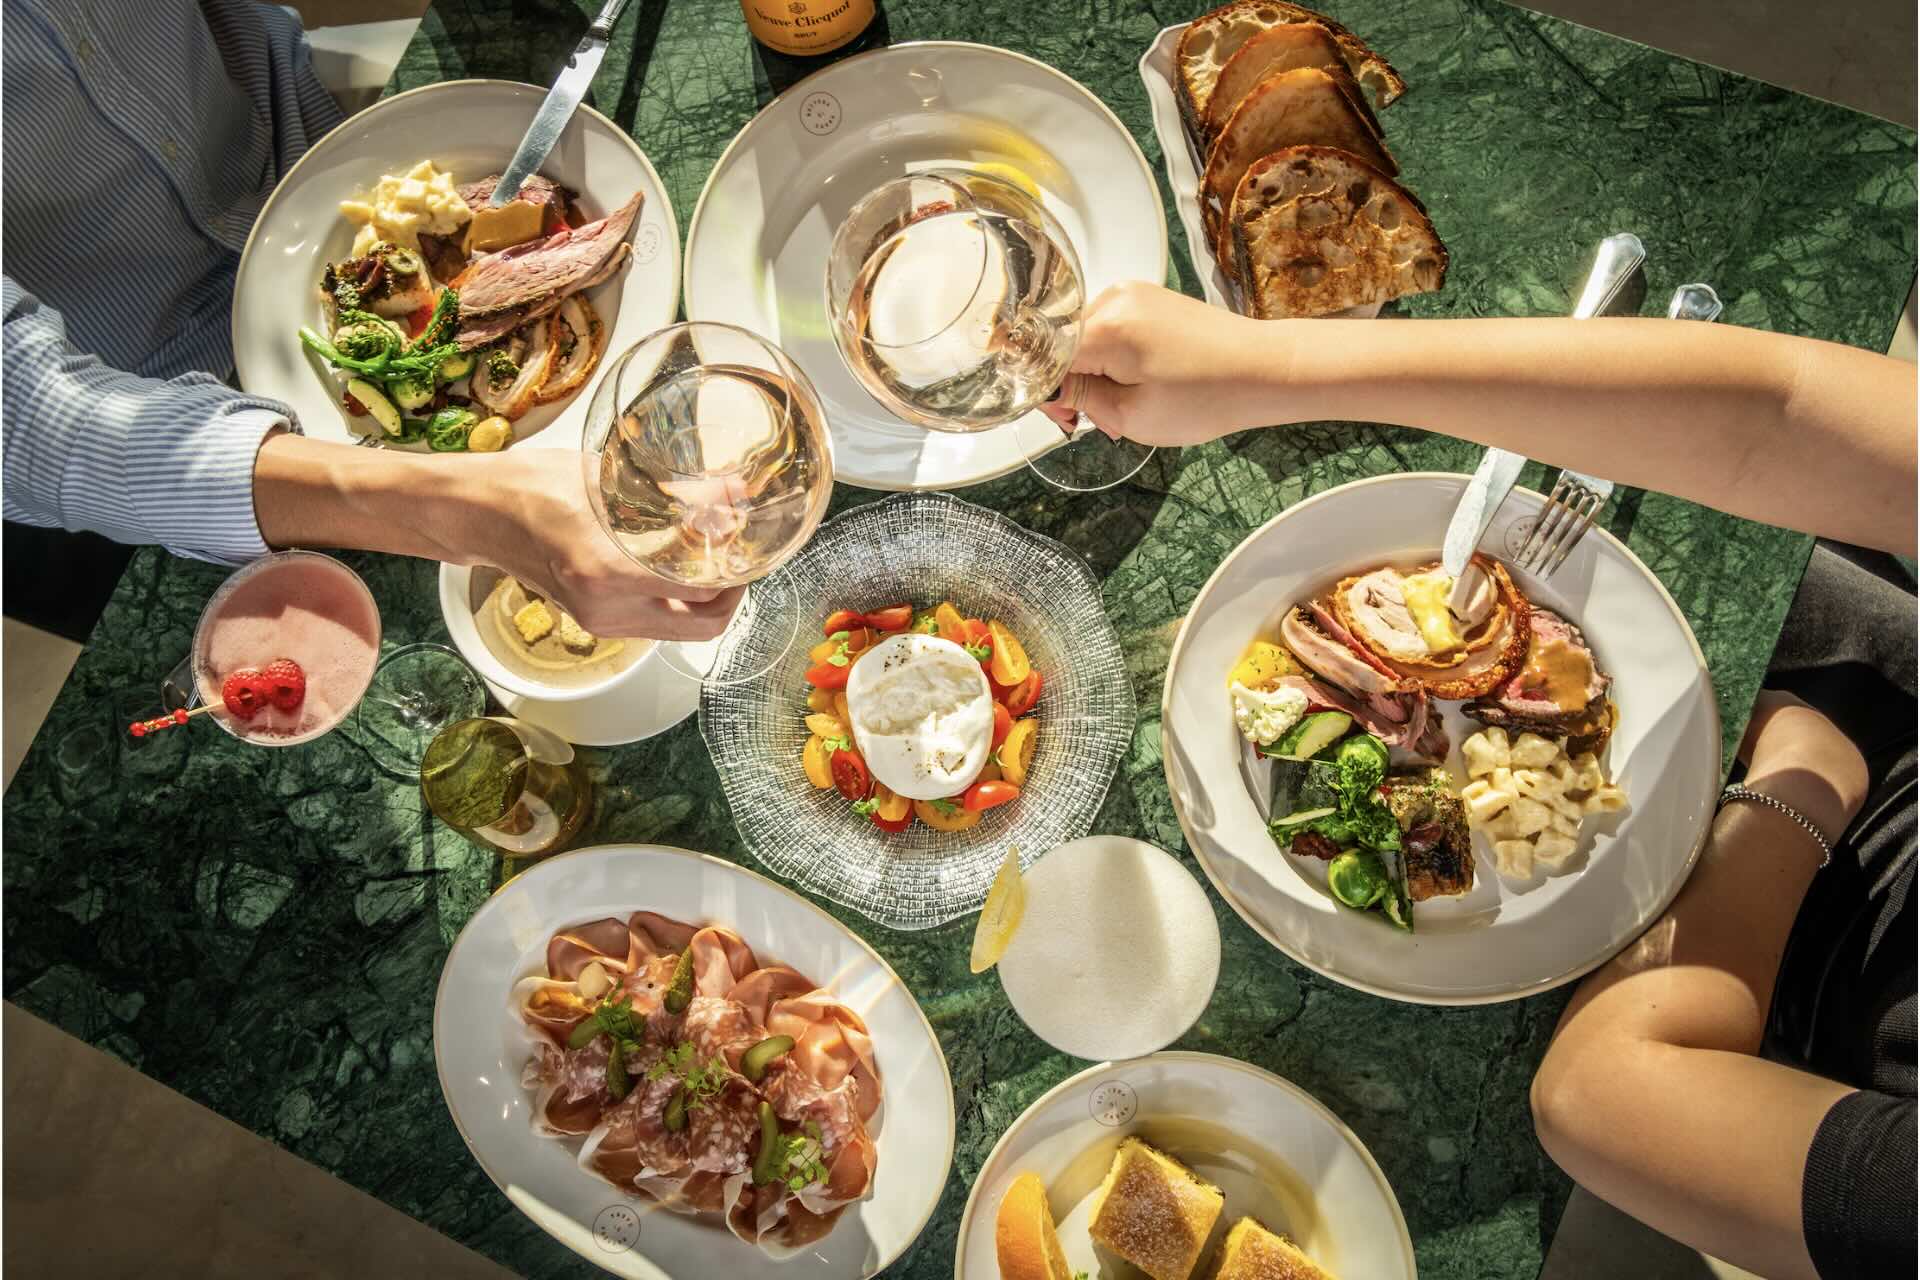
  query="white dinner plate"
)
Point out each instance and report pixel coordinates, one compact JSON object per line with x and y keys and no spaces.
{"x":1273,"y":1150}
{"x":480,"y":1045}
{"x":1503,"y":939}
{"x":757,"y":246}
{"x":469,"y":128}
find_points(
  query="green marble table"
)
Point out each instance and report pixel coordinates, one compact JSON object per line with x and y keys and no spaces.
{"x":262,"y":930}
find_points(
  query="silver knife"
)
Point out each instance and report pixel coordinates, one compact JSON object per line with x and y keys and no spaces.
{"x":1619,"y":256}
{"x":568,"y":88}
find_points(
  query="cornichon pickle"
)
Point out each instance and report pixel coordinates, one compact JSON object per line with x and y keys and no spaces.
{"x":584,"y":1033}
{"x":755,"y":1061}
{"x":676,"y":1118}
{"x":680,"y":990}
{"x":766,"y":1165}
{"x":617,"y":1082}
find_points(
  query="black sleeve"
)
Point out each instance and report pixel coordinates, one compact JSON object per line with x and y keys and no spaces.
{"x":1857,"y":1200}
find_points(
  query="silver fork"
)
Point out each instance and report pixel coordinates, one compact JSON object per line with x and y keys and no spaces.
{"x":1577,"y":497}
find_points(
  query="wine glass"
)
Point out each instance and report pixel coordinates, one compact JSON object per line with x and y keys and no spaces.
{"x":708,"y":464}
{"x":956,"y":299}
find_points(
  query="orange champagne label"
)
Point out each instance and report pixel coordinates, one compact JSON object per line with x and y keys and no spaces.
{"x":803,"y":27}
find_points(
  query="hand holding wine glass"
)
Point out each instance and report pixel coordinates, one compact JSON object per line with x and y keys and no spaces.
{"x":956,"y":300}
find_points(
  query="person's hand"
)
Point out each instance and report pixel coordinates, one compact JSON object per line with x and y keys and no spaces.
{"x":1164,"y":369}
{"x":1800,"y":758}
{"x":525,"y":512}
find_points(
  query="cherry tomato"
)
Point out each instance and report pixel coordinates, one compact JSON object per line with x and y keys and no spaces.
{"x":1021,"y":697}
{"x":978,"y":637}
{"x":850,"y":774}
{"x":417,"y":322}
{"x":1002,"y":725}
{"x":987,"y":795}
{"x":842,"y":620}
{"x":896,"y":825}
{"x":896,"y":617}
{"x":828,"y":676}
{"x":952,"y":626}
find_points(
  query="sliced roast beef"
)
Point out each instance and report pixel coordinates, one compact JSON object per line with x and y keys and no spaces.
{"x":477,"y":332}
{"x":547,"y":193}
{"x":1560,"y":690}
{"x":545,"y":269}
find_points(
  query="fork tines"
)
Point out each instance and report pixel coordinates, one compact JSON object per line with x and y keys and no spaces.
{"x":1569,"y":512}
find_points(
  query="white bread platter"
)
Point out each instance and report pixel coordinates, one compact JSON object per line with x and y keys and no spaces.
{"x":1274,"y":1152}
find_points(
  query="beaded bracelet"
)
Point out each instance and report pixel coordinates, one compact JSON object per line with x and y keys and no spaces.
{"x":1738,"y":792}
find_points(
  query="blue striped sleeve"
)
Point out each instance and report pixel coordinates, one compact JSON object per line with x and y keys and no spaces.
{"x":85,"y":446}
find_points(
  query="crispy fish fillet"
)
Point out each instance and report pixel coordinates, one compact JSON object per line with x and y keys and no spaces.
{"x":1434,"y":841}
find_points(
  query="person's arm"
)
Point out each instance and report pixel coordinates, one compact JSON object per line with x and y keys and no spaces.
{"x":1651,"y":1095}
{"x":215,"y":474}
{"x":1810,"y":435}
{"x":137,"y":459}
{"x":525,"y":511}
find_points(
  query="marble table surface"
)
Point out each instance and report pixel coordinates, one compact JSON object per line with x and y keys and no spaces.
{"x":262,"y":930}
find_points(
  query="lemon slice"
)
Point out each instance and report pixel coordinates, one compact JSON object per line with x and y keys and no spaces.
{"x":1008,"y":174}
{"x":1006,"y":903}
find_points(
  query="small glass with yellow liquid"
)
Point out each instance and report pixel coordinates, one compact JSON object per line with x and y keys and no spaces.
{"x":507,"y":785}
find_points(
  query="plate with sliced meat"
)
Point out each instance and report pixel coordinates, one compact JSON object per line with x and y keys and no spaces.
{"x":676,"y":1066}
{"x":1442,"y":791}
{"x":387,"y":301}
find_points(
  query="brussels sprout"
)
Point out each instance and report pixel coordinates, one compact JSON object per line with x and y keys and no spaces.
{"x":1358,"y":879}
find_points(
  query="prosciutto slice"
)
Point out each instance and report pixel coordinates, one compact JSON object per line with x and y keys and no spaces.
{"x":825,"y":1093}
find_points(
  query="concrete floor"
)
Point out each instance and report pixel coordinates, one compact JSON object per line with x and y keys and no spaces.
{"x":191,"y":1194}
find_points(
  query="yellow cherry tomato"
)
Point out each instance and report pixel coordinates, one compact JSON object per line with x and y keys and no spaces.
{"x":815,"y":760}
{"x":822,"y":725}
{"x":1010,"y":665}
{"x":823,"y":700}
{"x":945,"y":815}
{"x":890,"y":806}
{"x":840,"y":707}
{"x":953,"y":626}
{"x":1016,"y":753}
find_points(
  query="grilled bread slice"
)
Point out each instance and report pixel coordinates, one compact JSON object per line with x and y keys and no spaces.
{"x":1154,"y":1212}
{"x":1213,"y":38}
{"x":1305,"y":106}
{"x":1317,"y":230}
{"x":1277,"y":49}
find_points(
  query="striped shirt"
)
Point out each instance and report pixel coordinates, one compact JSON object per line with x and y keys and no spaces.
{"x":141,"y":142}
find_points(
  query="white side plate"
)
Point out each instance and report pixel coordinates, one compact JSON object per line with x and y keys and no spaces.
{"x":1273,"y":1150}
{"x":757,"y":245}
{"x":469,"y":128}
{"x":480,"y":1046}
{"x":1503,"y":939}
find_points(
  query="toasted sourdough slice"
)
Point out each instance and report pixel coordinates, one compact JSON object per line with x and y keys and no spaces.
{"x":1284,"y":48}
{"x":1317,"y":230}
{"x":1212,"y":39}
{"x":1251,"y":1252}
{"x":1303,"y":107}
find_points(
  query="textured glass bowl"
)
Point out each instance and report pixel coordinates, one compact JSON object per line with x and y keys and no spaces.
{"x":924,"y":548}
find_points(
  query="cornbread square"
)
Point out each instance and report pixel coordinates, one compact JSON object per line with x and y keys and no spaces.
{"x":1154,"y":1212}
{"x":533,"y":621}
{"x":1251,"y":1252}
{"x":574,"y":636}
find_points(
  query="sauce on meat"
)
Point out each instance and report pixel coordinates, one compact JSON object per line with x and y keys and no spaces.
{"x":1558,"y":672}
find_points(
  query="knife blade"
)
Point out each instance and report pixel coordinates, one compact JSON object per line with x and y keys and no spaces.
{"x":1618,"y":257}
{"x":1491,"y":483}
{"x":569,"y":87}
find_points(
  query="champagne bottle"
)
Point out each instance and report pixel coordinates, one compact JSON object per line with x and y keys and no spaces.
{"x":804,"y":28}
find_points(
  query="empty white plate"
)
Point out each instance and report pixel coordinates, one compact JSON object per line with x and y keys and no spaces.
{"x":469,"y":128}
{"x":1503,"y":939}
{"x":757,"y":246}
{"x":1275,"y":1153}
{"x":480,"y":1046}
